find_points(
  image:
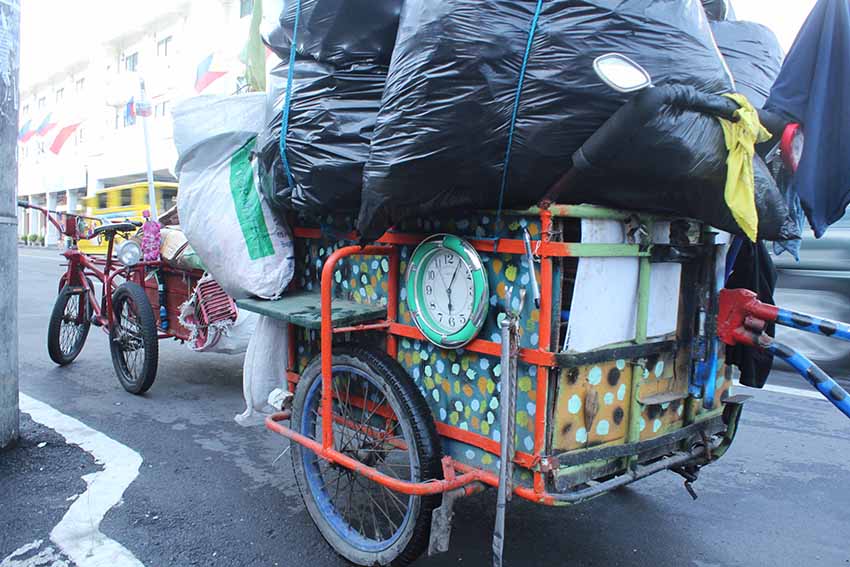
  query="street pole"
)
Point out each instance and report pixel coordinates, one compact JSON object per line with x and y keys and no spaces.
{"x":10,"y":13}
{"x":148,"y":164}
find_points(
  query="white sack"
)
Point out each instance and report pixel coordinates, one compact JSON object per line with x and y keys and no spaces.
{"x":242,"y":243}
{"x":264,"y":370}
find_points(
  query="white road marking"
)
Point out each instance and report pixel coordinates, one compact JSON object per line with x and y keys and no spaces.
{"x":24,"y":557}
{"x":78,"y":534}
{"x":800,"y":393}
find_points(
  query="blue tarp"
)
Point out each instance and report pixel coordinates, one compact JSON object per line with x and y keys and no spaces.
{"x":814,"y":88}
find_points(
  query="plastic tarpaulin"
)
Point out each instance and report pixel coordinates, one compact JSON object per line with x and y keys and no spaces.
{"x":754,"y":56}
{"x":719,"y":10}
{"x":332,"y":114}
{"x":451,"y":110}
{"x":340,"y":32}
{"x":814,"y":87}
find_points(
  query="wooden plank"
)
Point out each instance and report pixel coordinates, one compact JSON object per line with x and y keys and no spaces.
{"x":304,"y":309}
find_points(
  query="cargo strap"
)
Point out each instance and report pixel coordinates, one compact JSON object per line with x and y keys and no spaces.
{"x":284,"y":121}
{"x":504,"y":183}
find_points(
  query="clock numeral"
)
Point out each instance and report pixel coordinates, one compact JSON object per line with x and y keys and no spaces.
{"x":431,"y":274}
{"x":429,"y":290}
{"x":439,"y":316}
{"x":452,"y":321}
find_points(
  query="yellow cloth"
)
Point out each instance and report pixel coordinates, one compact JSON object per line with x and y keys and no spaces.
{"x":741,"y":138}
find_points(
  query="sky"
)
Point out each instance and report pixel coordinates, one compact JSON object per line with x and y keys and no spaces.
{"x":55,"y":33}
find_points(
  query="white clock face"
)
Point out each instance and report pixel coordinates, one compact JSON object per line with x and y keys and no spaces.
{"x":447,"y":290}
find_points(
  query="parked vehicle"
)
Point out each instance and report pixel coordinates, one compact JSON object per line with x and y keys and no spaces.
{"x":137,"y":303}
{"x":117,"y":204}
{"x":818,"y":284}
{"x":433,"y":363}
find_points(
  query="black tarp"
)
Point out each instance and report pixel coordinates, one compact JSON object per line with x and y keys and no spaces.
{"x":753,"y":54}
{"x":719,"y":10}
{"x":340,"y":32}
{"x":445,"y":119}
{"x":814,"y":87}
{"x":331,"y":117}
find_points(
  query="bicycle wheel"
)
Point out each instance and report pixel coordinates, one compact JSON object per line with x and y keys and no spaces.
{"x":381,"y":420}
{"x":69,"y":325}
{"x":133,"y":340}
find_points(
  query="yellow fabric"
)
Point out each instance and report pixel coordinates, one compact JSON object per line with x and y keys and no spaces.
{"x":741,"y":138}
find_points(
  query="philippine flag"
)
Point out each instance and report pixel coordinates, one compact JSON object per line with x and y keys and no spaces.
{"x":24,"y":134}
{"x":46,"y":125}
{"x":62,"y":137}
{"x":204,"y":77}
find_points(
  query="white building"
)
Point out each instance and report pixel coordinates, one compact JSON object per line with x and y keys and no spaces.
{"x":89,"y":96}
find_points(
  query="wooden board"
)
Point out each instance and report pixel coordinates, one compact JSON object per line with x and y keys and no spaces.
{"x":304,"y":309}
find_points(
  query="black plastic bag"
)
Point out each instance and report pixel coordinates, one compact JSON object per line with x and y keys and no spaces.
{"x":719,"y":10}
{"x":331,"y":117}
{"x":754,"y":56}
{"x":442,"y":132}
{"x":341,"y":32}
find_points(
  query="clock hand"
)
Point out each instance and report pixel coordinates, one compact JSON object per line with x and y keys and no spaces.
{"x":449,"y":289}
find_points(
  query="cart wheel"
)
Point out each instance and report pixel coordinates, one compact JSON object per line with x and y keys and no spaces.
{"x":381,"y":420}
{"x":133,"y":339}
{"x":69,"y":325}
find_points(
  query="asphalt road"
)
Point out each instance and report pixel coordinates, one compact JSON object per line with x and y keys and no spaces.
{"x":210,"y":492}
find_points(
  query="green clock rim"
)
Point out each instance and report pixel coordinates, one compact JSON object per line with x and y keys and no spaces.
{"x":480,"y":306}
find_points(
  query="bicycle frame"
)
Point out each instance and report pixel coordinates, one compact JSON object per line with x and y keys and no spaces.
{"x":81,"y":265}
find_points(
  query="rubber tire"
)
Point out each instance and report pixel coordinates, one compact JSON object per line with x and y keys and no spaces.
{"x":54,"y":328}
{"x":383,"y":369}
{"x":132,"y":292}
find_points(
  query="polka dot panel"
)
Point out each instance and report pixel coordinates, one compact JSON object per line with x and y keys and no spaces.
{"x":592,"y":405}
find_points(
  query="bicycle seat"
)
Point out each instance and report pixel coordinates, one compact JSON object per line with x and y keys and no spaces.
{"x":111,"y":228}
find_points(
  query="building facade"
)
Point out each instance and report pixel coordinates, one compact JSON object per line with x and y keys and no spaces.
{"x":79,"y":128}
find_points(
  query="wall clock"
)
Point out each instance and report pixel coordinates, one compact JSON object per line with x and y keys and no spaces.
{"x":447,"y":290}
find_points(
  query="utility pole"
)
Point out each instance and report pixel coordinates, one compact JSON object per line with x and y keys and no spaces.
{"x":10,"y":18}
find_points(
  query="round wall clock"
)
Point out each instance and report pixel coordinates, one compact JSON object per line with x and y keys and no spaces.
{"x":447,"y":290}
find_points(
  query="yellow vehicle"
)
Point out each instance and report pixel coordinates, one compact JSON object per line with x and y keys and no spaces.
{"x":115,"y":204}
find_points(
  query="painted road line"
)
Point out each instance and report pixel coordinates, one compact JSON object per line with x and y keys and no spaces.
{"x":798,"y":392}
{"x":78,"y":534}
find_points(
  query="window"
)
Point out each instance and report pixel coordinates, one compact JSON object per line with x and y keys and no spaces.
{"x":78,"y":139}
{"x":169,"y":198}
{"x":101,"y":200}
{"x":160,"y":109}
{"x":60,"y":94}
{"x":80,"y":85}
{"x":163,"y":46}
{"x":126,"y":197}
{"x":131,"y":62}
{"x":42,"y":102}
{"x":26,"y":110}
{"x":246,"y":8}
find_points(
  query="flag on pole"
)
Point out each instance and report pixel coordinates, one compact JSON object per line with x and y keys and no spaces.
{"x":130,"y":111}
{"x":143,"y":108}
{"x":62,"y":137}
{"x":24,"y":134}
{"x":46,"y":125}
{"x":204,"y":77}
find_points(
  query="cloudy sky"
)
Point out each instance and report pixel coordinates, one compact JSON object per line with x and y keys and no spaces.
{"x":57,"y":32}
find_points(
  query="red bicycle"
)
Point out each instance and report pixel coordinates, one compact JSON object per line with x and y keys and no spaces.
{"x":139,"y":303}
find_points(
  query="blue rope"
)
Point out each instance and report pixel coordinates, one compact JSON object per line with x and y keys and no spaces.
{"x":516,"y":107}
{"x":284,"y":122}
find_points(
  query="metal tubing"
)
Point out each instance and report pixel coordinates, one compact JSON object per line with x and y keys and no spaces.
{"x":327,"y":329}
{"x":507,"y":418}
{"x":544,"y":343}
{"x":819,"y":379}
{"x":427,"y":488}
{"x":642,"y":324}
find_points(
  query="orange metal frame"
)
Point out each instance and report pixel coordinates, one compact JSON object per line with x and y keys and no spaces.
{"x":543,"y":358}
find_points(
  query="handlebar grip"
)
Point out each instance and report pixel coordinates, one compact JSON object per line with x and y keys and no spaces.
{"x":689,"y":98}
{"x":24,"y":204}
